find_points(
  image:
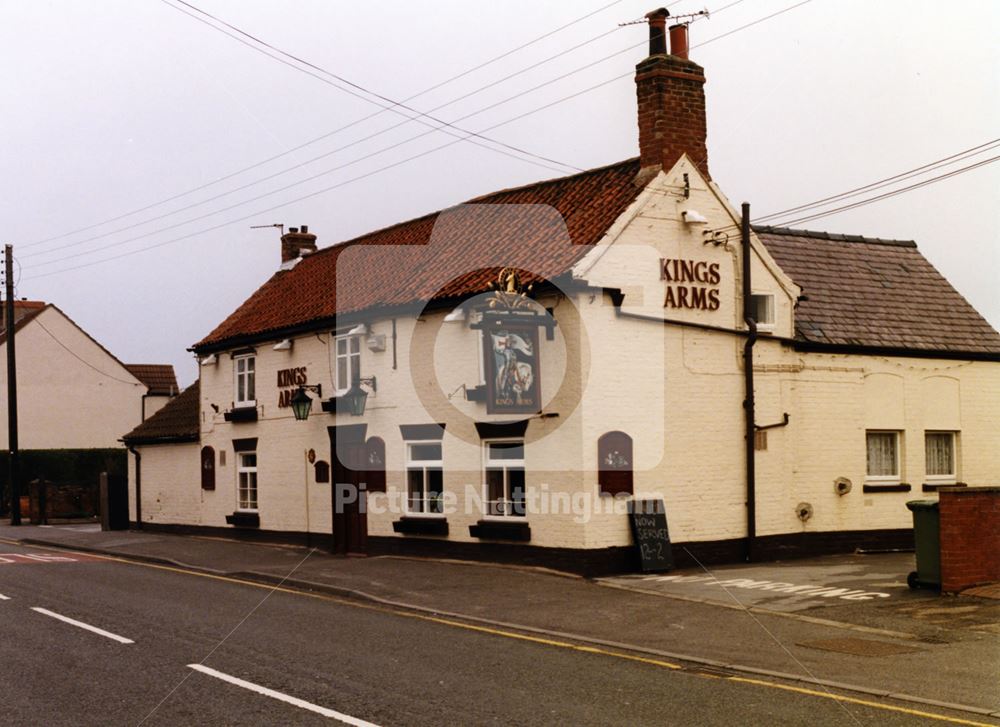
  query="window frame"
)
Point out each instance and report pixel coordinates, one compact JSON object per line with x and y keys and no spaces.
{"x":768,"y":325}
{"x":242,"y":469}
{"x":505,"y":464}
{"x":353,"y":371}
{"x":897,"y":477}
{"x":948,"y":479}
{"x":249,"y":374}
{"x":425,"y":465}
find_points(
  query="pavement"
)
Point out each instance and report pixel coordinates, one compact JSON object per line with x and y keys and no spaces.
{"x":846,"y":622}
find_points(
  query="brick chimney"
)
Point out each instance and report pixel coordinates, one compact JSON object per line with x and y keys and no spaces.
{"x":295,"y":242}
{"x":671,"y":94}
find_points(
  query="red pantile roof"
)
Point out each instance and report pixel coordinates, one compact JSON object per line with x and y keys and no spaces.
{"x":863,"y":291}
{"x":177,"y":421}
{"x":159,"y":378}
{"x":24,"y":311}
{"x":860,"y":291}
{"x":589,"y":203}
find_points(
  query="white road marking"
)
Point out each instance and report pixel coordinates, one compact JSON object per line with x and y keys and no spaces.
{"x":82,"y":625}
{"x":346,"y":719}
{"x":4,"y":598}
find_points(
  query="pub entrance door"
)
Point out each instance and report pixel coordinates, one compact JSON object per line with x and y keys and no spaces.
{"x":350,"y":521}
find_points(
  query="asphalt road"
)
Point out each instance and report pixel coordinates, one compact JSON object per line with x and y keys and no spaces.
{"x":256,"y":651}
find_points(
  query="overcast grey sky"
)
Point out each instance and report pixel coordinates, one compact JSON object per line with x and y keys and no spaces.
{"x":111,"y":107}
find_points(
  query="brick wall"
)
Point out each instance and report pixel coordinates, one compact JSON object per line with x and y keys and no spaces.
{"x":671,"y":98}
{"x":970,"y":537}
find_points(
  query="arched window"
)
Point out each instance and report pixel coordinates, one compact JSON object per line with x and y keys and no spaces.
{"x":322,"y":471}
{"x":375,"y":465}
{"x":614,"y":463}
{"x":207,"y":468}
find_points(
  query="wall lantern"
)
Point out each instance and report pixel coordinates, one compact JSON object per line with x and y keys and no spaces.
{"x":301,"y":402}
{"x":355,"y":398}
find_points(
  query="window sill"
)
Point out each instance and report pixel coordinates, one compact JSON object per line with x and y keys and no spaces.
{"x":497,"y":529}
{"x":887,"y":487}
{"x":244,"y":519}
{"x":241,"y":414}
{"x":935,"y":486}
{"x":421,"y":525}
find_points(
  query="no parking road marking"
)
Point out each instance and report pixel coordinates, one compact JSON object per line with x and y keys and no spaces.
{"x":847,"y":594}
{"x":32,"y":558}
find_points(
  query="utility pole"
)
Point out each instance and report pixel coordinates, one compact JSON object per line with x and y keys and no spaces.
{"x":13,"y":462}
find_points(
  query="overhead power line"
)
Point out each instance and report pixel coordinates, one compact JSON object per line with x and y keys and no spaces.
{"x":349,"y":125}
{"x":902,"y":176}
{"x":359,"y":91}
{"x":325,"y":172}
{"x":877,"y":184}
{"x":887,"y":195}
{"x":77,"y":357}
{"x":362,"y":176}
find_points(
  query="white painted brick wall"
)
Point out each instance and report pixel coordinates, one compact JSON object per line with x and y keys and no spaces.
{"x":677,"y":391}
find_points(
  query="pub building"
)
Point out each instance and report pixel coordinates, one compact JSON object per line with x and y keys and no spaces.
{"x":499,"y":380}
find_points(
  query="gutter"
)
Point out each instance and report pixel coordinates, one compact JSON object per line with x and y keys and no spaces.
{"x":617,"y":298}
{"x":893,"y":351}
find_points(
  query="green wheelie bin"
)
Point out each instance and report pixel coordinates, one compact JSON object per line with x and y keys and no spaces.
{"x":927,"y":538}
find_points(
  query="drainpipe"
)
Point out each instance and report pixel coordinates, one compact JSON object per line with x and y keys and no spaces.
{"x":748,"y":401}
{"x":138,"y":487}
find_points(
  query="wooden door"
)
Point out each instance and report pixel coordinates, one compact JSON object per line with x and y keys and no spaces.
{"x":350,"y":521}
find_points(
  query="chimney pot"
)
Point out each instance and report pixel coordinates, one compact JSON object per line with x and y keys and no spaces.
{"x":657,"y":31}
{"x":679,"y":41}
{"x":305,"y":229}
{"x":293,"y":230}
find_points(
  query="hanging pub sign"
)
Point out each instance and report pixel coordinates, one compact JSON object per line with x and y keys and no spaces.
{"x":510,"y":347}
{"x":511,"y":358}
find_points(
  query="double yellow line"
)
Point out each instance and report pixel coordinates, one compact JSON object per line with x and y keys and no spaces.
{"x":555,"y":643}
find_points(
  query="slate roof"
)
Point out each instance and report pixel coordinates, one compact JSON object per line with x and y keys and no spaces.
{"x":177,"y":421}
{"x":589,"y":203}
{"x":159,"y":378}
{"x":863,"y":291}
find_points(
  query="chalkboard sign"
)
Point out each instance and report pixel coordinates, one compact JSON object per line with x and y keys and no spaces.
{"x":649,"y":529}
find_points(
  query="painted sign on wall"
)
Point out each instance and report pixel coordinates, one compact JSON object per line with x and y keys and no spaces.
{"x":288,"y":382}
{"x":691,"y":284}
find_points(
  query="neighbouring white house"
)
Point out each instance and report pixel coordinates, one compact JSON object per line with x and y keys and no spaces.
{"x":75,"y":398}
{"x":496,"y":380}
